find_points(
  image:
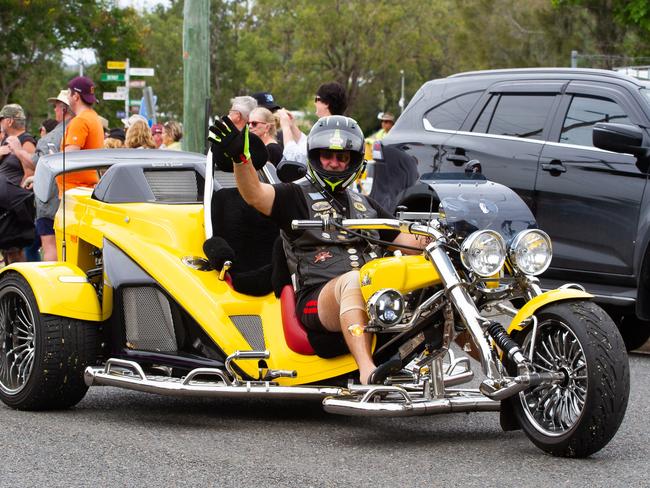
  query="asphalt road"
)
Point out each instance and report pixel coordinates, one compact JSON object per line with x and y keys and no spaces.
{"x":120,"y":438}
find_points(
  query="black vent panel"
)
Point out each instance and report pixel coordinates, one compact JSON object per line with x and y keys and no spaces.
{"x":173,"y":186}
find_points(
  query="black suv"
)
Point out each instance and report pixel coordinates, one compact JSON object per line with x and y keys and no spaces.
{"x":574,"y":144}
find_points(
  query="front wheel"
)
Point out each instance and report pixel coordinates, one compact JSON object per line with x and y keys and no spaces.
{"x":42,"y":357}
{"x":580,"y":415}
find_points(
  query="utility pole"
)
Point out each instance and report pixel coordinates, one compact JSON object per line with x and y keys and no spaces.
{"x":196,"y":73}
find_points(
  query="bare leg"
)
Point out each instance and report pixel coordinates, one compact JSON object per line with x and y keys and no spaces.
{"x":48,"y":243}
{"x":360,"y":346}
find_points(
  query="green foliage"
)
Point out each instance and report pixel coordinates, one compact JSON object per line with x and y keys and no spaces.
{"x":290,"y":47}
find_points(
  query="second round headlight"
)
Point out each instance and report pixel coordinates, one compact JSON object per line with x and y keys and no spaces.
{"x":483,"y":252}
{"x":531,"y":251}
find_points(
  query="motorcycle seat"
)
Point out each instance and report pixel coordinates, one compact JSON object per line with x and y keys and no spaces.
{"x":295,"y":333}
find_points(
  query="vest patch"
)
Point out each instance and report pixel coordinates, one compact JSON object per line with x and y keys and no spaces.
{"x":322,"y":256}
{"x":321,"y":206}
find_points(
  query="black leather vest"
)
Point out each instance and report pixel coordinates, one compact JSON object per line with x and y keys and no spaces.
{"x":317,"y":256}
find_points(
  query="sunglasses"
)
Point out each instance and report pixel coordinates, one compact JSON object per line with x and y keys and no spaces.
{"x":317,"y":99}
{"x":255,"y":123}
{"x":341,"y":157}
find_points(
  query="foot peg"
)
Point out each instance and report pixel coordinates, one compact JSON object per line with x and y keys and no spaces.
{"x":272,"y":374}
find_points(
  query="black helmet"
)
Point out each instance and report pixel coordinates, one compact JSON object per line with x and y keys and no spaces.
{"x":337,"y":133}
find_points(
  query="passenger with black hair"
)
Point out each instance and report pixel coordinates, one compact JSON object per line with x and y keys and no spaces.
{"x":330,"y":99}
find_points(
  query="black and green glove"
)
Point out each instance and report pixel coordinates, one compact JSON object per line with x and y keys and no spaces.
{"x":231,"y":146}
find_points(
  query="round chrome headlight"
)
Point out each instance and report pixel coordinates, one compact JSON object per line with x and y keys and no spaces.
{"x":483,"y":252}
{"x":531,"y":251}
{"x":385,"y":307}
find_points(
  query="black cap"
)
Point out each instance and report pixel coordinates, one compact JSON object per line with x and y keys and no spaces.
{"x":266,"y":100}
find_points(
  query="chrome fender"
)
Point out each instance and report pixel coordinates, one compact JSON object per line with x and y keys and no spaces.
{"x":60,"y":289}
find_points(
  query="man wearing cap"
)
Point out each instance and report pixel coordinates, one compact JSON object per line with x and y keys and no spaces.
{"x":50,"y":144}
{"x":85,"y":130}
{"x":266,"y":100}
{"x":18,"y":145}
{"x":387,"y":122}
{"x":240,"y":109}
{"x":16,"y":151}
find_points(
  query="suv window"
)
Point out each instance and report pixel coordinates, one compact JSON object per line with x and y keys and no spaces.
{"x":451,"y":113}
{"x":518,"y":115}
{"x":583,"y":113}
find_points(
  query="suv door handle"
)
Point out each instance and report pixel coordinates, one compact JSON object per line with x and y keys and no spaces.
{"x":554,"y":166}
{"x":458,"y":159}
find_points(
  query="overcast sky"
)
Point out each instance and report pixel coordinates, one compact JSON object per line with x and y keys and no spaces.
{"x":71,"y":57}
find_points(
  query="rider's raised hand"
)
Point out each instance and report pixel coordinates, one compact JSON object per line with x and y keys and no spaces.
{"x":231,"y":146}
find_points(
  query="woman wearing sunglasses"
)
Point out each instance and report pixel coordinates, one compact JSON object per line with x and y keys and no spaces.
{"x":263,"y":124}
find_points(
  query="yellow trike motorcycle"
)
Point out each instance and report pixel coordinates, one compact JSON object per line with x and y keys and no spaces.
{"x":136,"y":303}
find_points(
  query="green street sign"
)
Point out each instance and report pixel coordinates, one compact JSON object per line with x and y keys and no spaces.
{"x":134,"y":102}
{"x":112,"y":77}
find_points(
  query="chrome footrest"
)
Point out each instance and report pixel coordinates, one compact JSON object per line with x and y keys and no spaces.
{"x":394,"y":401}
{"x":200,"y":382}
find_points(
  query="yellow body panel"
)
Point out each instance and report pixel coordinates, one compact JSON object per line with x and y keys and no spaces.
{"x":402,"y":273}
{"x":157,"y":237}
{"x":59,"y":289}
{"x":544,"y":299}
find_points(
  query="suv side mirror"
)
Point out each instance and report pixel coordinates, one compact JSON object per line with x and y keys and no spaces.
{"x":620,"y":138}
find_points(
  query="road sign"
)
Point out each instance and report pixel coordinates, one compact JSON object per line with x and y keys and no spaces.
{"x":116,"y":65}
{"x":114,"y":96}
{"x":112,"y":77}
{"x":121,"y":89}
{"x":134,"y":102}
{"x":141,"y":71}
{"x":137,"y":83}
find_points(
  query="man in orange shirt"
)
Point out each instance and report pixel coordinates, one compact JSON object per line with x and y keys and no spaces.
{"x":84,"y":131}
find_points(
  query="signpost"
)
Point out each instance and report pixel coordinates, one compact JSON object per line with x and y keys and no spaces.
{"x":114,"y":96}
{"x":122,"y":92}
{"x":141,"y":71}
{"x":116,"y":65}
{"x":112,"y":77}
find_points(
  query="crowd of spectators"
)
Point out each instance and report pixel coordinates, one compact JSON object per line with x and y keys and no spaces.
{"x":75,"y":126}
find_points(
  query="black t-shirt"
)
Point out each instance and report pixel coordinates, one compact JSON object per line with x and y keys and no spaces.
{"x":10,"y":166}
{"x":290,"y":204}
{"x":275,"y":153}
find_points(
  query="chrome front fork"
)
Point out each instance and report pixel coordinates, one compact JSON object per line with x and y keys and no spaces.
{"x":465,"y":306}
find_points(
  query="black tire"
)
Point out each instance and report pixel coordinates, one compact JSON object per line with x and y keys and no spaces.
{"x":42,"y":357}
{"x":576,"y":335}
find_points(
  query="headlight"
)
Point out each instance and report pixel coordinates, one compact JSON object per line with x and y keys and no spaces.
{"x":531,"y":251}
{"x":483,"y":252}
{"x":385,"y":307}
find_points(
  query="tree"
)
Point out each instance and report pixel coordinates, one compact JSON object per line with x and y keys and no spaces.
{"x":32,"y":33}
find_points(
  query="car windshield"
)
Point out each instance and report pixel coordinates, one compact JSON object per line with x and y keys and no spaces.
{"x":470,"y":205}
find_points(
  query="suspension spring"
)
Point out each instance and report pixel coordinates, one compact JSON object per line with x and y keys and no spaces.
{"x":503,"y":341}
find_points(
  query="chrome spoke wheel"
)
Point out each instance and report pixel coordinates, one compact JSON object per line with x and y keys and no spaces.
{"x":17,"y":344}
{"x":554,"y":409}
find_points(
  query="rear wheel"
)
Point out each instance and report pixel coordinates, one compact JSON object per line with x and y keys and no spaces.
{"x":580,"y":415}
{"x":42,"y":357}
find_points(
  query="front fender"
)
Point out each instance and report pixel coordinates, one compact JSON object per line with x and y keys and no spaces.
{"x":60,"y":289}
{"x":544,"y":299}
